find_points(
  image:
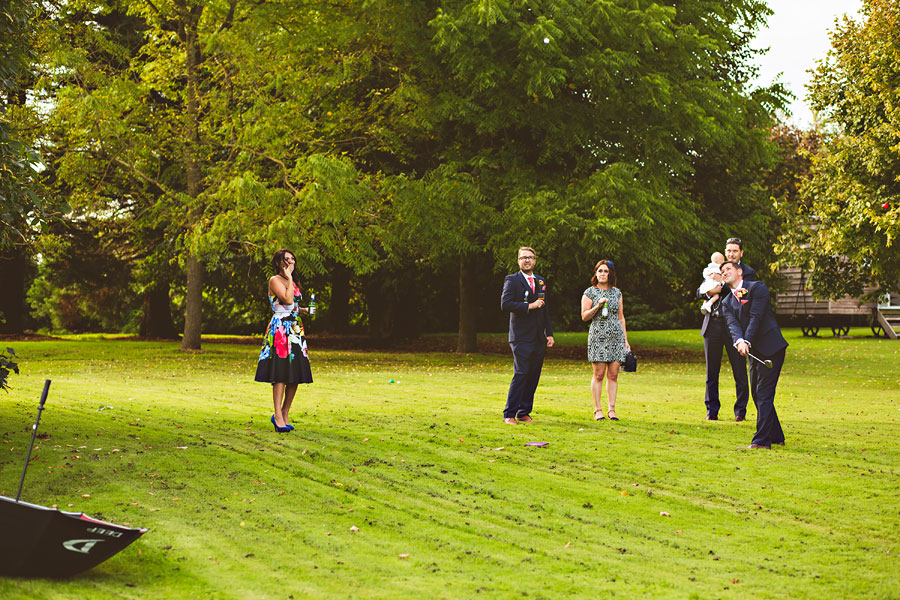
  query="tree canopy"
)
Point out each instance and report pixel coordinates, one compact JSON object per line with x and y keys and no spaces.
{"x":384,"y":141}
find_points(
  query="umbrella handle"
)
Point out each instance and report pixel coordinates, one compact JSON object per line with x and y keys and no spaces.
{"x":33,"y":434}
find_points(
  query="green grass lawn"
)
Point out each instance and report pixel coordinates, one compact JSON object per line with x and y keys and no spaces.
{"x":660,"y":504}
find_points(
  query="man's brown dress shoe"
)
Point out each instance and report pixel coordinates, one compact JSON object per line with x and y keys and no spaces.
{"x":739,"y":418}
{"x":510,"y":421}
{"x":525,"y":419}
{"x":755,"y":447}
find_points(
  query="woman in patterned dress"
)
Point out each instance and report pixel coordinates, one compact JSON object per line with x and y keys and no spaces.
{"x":607,"y":339}
{"x":283,"y":360}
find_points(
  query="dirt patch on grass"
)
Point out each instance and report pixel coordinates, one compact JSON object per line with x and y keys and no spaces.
{"x":28,"y":336}
{"x":444,"y":343}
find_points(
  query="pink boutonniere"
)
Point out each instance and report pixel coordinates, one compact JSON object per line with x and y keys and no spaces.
{"x":740,"y":293}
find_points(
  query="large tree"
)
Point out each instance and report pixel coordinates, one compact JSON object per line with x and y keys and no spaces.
{"x":388,"y":141}
{"x":149,"y":119}
{"x":585,"y":129}
{"x":21,"y":209}
{"x":846,"y":229}
{"x":576,"y":126}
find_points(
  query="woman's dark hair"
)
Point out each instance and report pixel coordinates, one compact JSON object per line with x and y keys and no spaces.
{"x":278,"y":264}
{"x":612,"y":272}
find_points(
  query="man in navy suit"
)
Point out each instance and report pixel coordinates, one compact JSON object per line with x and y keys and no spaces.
{"x":752,"y":326}
{"x":715,"y":338}
{"x":530,"y":333}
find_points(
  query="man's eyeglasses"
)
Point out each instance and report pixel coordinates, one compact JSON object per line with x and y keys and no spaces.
{"x":734,"y":241}
{"x":526,"y":258}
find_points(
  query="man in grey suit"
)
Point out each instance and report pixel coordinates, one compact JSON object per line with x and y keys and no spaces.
{"x":752,"y":326}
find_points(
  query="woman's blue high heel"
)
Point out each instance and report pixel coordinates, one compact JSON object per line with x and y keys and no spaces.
{"x":280,"y":429}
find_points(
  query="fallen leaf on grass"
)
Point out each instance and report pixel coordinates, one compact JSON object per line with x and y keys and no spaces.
{"x":624,"y":492}
{"x":663,"y":513}
{"x":85,"y":495}
{"x":678,"y":530}
{"x":568,"y":544}
{"x":354,"y":528}
{"x":182,"y":447}
{"x":500,"y":448}
{"x":365,"y":439}
{"x":403,"y":556}
{"x":735,"y":581}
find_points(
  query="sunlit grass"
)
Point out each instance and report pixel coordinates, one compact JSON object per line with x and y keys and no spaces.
{"x":660,"y":504}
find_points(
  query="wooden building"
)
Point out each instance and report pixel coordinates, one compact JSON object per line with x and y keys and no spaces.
{"x":796,"y":306}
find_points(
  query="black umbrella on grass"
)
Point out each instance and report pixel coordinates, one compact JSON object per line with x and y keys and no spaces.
{"x":38,"y":541}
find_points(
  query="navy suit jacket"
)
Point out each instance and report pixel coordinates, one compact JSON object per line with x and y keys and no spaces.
{"x":749,"y":275}
{"x":525,"y":325}
{"x":754,"y":320}
{"x":748,"y":272}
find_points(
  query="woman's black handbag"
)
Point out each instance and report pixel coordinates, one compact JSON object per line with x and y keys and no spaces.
{"x":630,"y":365}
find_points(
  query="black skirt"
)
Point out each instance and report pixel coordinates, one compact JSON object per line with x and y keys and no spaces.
{"x":283,"y":357}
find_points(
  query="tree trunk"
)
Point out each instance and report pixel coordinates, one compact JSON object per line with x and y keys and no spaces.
{"x":339,"y":308}
{"x":13,"y":269}
{"x":193,"y":311}
{"x":468,"y":306}
{"x":380,"y":311}
{"x":156,"y":317}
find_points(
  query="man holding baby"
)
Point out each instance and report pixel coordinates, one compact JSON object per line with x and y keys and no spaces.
{"x":716,"y":336}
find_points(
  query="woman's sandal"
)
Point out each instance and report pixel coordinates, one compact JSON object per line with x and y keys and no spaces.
{"x":612,"y":415}
{"x":601,"y":417}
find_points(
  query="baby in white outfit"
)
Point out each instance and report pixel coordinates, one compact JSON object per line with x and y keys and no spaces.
{"x":712,"y":277}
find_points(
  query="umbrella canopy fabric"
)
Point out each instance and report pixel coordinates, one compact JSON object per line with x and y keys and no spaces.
{"x":47,"y":542}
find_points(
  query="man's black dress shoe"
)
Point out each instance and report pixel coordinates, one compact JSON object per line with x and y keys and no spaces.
{"x":712,"y":417}
{"x":739,"y":418}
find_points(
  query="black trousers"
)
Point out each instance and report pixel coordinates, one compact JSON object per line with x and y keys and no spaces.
{"x":528,"y":360}
{"x":715,"y":339}
{"x":763,"y":381}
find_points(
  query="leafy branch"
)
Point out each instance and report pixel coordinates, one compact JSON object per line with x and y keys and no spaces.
{"x":7,"y":364}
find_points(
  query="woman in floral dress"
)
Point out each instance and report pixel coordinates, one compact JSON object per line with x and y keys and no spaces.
{"x":284,"y":361}
{"x":607,"y":338}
